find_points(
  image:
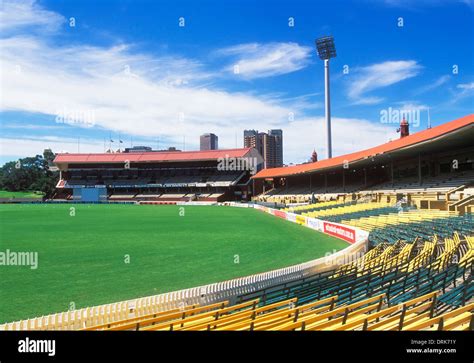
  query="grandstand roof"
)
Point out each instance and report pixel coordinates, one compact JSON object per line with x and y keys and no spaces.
{"x":161,"y":156}
{"x":434,"y":134}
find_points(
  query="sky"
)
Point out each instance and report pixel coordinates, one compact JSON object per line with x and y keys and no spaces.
{"x":77,"y":74}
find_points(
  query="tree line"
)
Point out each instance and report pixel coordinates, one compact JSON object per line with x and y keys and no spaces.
{"x":30,"y":174}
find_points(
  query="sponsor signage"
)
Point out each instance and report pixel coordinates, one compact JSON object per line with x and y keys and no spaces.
{"x":238,"y":205}
{"x":301,"y":220}
{"x":279,"y":213}
{"x":313,"y":223}
{"x":336,"y":230}
{"x":291,"y":217}
{"x":345,"y":233}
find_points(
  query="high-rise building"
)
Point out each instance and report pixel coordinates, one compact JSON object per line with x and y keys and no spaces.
{"x":253,"y":138}
{"x":276,"y":145}
{"x":209,"y":142}
{"x":269,"y":145}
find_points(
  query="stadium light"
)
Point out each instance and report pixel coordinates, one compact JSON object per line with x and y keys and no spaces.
{"x":327,"y":50}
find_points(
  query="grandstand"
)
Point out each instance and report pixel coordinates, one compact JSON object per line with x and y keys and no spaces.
{"x":155,"y":177}
{"x":431,"y":169}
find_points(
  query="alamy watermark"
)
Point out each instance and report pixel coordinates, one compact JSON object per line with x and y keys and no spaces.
{"x":12,"y":258}
{"x":76,"y":117}
{"x":395,"y":116}
{"x":238,"y":164}
{"x":28,"y":345}
{"x":344,"y":259}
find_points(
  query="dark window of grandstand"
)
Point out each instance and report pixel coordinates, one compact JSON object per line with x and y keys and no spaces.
{"x":445,"y":168}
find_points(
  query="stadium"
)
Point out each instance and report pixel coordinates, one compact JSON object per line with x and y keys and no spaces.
{"x":379,"y":239}
{"x":157,"y":177}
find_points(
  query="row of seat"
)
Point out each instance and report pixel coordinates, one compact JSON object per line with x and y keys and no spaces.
{"x":346,"y":210}
{"x":389,"y":223}
{"x":314,"y":206}
{"x":407,"y":185}
{"x":409,"y":225}
{"x":397,"y":270}
{"x":371,"y":313}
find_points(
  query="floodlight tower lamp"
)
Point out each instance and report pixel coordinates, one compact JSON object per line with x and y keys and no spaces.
{"x":327,"y":50}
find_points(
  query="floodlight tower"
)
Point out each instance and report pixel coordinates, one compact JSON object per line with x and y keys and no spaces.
{"x":327,"y":50}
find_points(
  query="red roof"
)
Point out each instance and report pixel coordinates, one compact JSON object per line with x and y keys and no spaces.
{"x":401,"y":143}
{"x":150,"y":156}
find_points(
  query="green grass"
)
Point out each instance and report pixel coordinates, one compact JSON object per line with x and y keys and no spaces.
{"x":81,"y":258}
{"x":7,"y":194}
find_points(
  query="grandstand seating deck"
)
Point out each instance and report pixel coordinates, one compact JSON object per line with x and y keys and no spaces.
{"x":345,"y":210}
{"x":315,"y":207}
{"x":411,"y":224}
{"x":439,"y":184}
{"x":370,"y":313}
{"x":442,"y":183}
{"x":414,"y":269}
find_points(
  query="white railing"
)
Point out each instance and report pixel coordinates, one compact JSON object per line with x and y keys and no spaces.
{"x":203,"y":295}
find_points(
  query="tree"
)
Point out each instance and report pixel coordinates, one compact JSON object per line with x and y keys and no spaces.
{"x":49,"y":156}
{"x":30,"y":174}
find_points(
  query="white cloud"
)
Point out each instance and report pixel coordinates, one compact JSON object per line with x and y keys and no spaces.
{"x":133,"y":102}
{"x":125,"y":91}
{"x":433,"y":85}
{"x":255,"y":60}
{"x":33,"y":145}
{"x":377,"y":76}
{"x":466,"y":86}
{"x":366,"y":100}
{"x":19,"y":14}
{"x":462,"y":92}
{"x":412,"y":106}
{"x":348,"y":135}
{"x":23,"y":126}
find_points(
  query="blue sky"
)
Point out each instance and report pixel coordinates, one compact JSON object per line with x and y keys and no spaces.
{"x":75,"y":72}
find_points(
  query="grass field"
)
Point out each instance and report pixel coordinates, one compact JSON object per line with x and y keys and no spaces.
{"x":82,"y":258}
{"x":7,"y":194}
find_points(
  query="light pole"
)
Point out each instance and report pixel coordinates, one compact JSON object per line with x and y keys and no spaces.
{"x":327,"y":50}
